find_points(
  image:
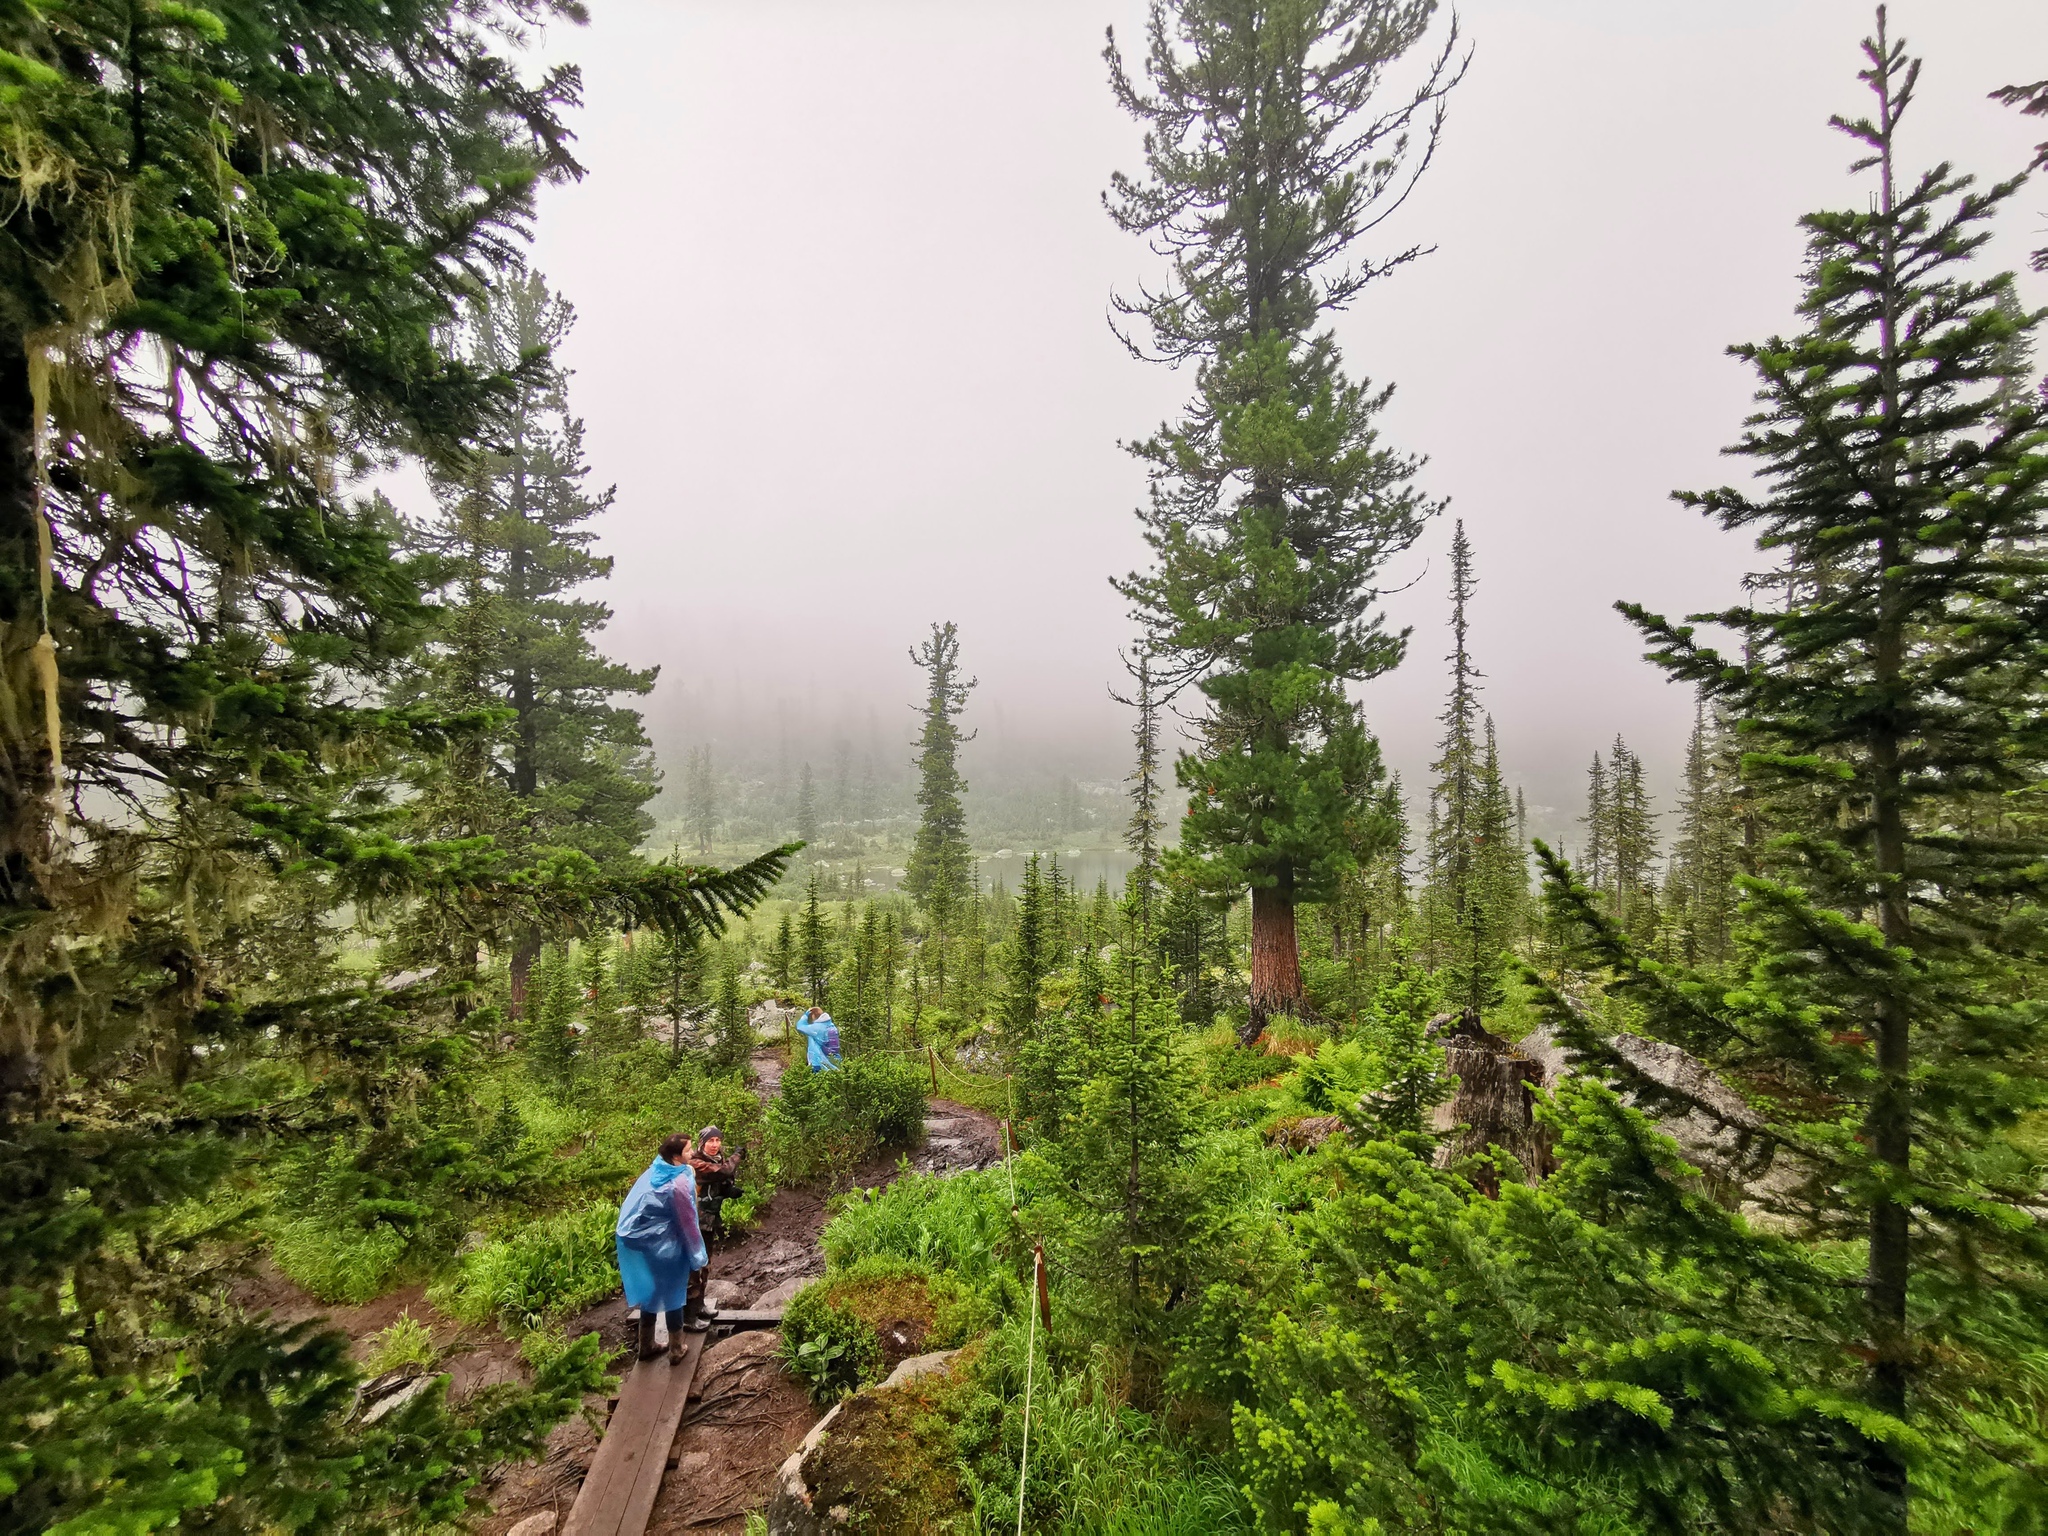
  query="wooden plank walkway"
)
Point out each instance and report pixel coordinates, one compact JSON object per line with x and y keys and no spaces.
{"x":769,"y":1317}
{"x":625,"y":1477}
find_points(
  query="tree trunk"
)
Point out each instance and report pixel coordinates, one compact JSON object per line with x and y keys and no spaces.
{"x":1276,"y":958}
{"x":26,"y":769}
{"x":1889,"y":1123}
{"x":524,"y":952}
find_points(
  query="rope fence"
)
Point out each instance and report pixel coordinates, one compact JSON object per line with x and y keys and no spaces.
{"x":1040,"y":1305}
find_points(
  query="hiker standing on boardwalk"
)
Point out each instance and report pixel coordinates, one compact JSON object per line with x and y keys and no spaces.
{"x":817,"y":1027}
{"x":716,"y":1183}
{"x":660,"y":1245}
{"x":717,"y":1178}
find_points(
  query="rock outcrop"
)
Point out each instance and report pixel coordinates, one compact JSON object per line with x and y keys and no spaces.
{"x":791,"y":1511}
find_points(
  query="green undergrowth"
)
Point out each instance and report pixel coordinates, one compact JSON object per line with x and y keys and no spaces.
{"x":537,"y":1272}
{"x":834,"y":1330}
{"x":507,"y":1161}
{"x":823,"y":1124}
{"x":941,"y":1452}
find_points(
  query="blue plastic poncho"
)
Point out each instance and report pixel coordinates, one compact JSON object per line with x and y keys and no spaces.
{"x":823,"y":1036}
{"x":659,"y":1244}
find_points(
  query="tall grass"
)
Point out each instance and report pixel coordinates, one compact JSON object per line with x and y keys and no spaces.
{"x":1097,"y":1464}
{"x":959,"y":1222}
{"x":546,"y":1269}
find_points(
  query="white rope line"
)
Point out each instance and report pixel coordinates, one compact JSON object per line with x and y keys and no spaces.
{"x":1030,"y":1359}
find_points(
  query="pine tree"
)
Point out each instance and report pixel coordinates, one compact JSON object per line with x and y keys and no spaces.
{"x":233,"y":235}
{"x":576,"y":758}
{"x":807,"y":808}
{"x":1273,"y":503}
{"x":814,"y":947}
{"x":700,"y":796}
{"x":1030,"y":953}
{"x":1141,"y":833}
{"x":940,"y":861}
{"x":1907,"y":491}
{"x":1704,"y":861}
{"x":514,"y":523}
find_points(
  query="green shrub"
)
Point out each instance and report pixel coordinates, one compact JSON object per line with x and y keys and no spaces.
{"x":544,"y":1270}
{"x":825,"y":1122}
{"x":744,"y":1209}
{"x":346,"y":1265}
{"x":959,"y":1223}
{"x":1332,"y":1079}
{"x":408,"y":1341}
{"x":832,"y":1349}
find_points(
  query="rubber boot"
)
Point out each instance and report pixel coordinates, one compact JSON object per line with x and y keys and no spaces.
{"x":648,"y":1348}
{"x":694,"y":1310}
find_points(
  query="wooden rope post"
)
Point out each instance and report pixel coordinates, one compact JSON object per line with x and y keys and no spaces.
{"x":1044,"y":1294}
{"x":932,"y":1052}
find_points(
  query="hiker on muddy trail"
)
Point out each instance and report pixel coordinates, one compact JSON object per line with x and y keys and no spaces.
{"x":817,"y":1028}
{"x":660,"y":1245}
{"x":717,"y":1177}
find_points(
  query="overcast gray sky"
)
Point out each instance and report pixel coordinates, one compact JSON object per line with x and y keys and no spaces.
{"x":842,"y":270}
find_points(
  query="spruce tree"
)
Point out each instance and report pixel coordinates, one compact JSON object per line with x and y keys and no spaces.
{"x":1471,"y":899}
{"x":700,"y":796}
{"x":782,"y":955}
{"x":234,"y":233}
{"x":1598,"y":858}
{"x":1123,"y":1157}
{"x":1273,"y":503}
{"x":1905,"y":488}
{"x":814,"y":946}
{"x":1141,"y":832}
{"x":806,"y":808}
{"x":940,"y":861}
{"x":1704,"y":862}
{"x":549,"y":1035}
{"x":732,"y":1036}
{"x":1030,"y":953}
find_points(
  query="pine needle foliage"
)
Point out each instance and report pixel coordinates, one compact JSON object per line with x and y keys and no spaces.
{"x":1269,"y":156}
{"x":1886,"y":1019}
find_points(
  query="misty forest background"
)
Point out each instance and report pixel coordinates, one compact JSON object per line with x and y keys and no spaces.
{"x":1394,"y":1167}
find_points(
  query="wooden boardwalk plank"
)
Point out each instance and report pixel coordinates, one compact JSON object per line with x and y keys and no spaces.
{"x":618,"y":1494}
{"x":738,"y":1318}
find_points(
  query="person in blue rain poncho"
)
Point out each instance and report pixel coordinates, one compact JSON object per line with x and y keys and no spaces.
{"x":817,"y":1028}
{"x":660,"y":1246}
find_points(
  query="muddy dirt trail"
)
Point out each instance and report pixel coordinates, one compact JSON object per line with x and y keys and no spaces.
{"x":746,"y":1413}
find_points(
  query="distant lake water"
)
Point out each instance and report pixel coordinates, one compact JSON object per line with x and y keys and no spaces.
{"x":1084,"y":868}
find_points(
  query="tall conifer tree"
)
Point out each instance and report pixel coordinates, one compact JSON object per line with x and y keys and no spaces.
{"x":514,"y":521}
{"x":700,"y":796}
{"x":1704,"y":862}
{"x":519,"y":515}
{"x":233,"y":235}
{"x":1901,"y":681}
{"x":940,"y":861}
{"x":1273,"y":502}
